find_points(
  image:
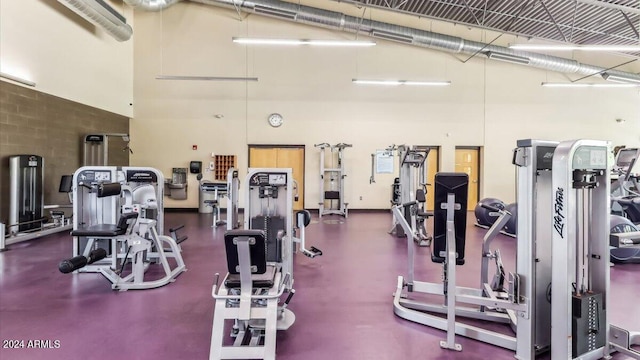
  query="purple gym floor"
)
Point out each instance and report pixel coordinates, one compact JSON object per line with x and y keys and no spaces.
{"x":343,"y":303}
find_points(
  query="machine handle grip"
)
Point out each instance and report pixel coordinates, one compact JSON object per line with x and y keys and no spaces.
{"x":291,"y":293}
{"x":410,"y":203}
{"x":215,"y":285}
{"x":176,"y":228}
{"x":490,"y":208}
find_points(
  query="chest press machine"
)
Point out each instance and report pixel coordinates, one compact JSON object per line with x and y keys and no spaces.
{"x":260,"y":269}
{"x":116,"y":220}
{"x":553,"y":302}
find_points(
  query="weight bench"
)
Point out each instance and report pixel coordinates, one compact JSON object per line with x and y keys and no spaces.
{"x":249,"y":296}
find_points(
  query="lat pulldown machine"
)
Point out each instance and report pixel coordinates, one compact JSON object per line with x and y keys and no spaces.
{"x":332,"y":176}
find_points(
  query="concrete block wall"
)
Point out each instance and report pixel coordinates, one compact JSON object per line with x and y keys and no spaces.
{"x":32,"y":122}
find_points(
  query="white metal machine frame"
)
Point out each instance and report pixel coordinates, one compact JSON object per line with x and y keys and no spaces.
{"x":485,"y":298}
{"x":140,"y":190}
{"x":412,"y":186}
{"x":580,"y":274}
{"x":257,"y":315}
{"x":330,"y":176}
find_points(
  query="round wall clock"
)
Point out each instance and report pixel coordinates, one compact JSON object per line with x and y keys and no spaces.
{"x":275,"y":119}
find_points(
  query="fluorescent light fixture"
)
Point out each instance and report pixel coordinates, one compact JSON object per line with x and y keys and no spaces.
{"x":620,"y":79}
{"x":294,"y":42}
{"x":17,"y":79}
{"x":508,"y":58}
{"x":205,"y":78}
{"x":548,"y":47}
{"x":400,"y":82}
{"x":587,"y":85}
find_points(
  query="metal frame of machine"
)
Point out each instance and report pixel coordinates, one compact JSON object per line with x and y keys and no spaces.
{"x":96,"y":148}
{"x":231,"y":190}
{"x":336,"y":156}
{"x":263,"y":251}
{"x":485,"y":298}
{"x":136,"y":190}
{"x":580,"y":278}
{"x":412,"y":179}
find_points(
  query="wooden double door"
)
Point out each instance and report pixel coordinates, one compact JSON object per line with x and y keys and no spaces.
{"x":281,"y":156}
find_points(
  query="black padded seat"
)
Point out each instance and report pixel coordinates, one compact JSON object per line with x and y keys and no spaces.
{"x":211,"y":202}
{"x":107,"y":230}
{"x":265,"y":280}
{"x":101,"y":230}
{"x":424,"y":214}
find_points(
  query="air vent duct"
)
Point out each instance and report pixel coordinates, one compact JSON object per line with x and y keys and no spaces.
{"x":100,"y":14}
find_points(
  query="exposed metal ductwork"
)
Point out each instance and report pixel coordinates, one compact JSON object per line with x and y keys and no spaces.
{"x":338,"y":21}
{"x":150,"y":5}
{"x":100,"y":14}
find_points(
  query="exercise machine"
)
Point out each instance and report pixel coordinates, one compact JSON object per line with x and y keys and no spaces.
{"x":518,"y":299}
{"x":96,"y":148}
{"x":230,"y":190}
{"x":625,"y":203}
{"x":411,"y":185}
{"x":27,"y":218}
{"x":580,"y":274}
{"x":332,"y":175}
{"x":448,"y":249}
{"x":260,"y":269}
{"x":119,"y":219}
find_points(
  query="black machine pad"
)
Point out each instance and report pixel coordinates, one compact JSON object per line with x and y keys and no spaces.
{"x":265,"y":280}
{"x":457,"y":184}
{"x":257,"y":251}
{"x":109,"y":189}
{"x":107,"y":230}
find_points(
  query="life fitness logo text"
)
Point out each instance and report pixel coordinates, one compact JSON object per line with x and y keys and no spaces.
{"x":558,"y":207}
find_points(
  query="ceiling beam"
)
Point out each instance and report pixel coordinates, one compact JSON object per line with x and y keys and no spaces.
{"x":603,"y":4}
{"x":633,"y":27}
{"x":546,"y":9}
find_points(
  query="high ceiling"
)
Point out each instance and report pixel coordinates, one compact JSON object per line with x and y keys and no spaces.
{"x":610,"y":22}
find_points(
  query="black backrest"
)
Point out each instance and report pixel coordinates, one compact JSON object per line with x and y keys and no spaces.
{"x":257,"y":250}
{"x":457,"y":184}
{"x":421,"y":196}
{"x":109,"y":189}
{"x":66,"y":183}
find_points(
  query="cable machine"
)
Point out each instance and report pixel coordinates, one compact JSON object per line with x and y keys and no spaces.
{"x":332,"y":176}
{"x":96,"y":148}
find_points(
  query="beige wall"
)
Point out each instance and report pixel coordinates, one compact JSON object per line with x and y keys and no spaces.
{"x":489,"y":104}
{"x":66,"y":56}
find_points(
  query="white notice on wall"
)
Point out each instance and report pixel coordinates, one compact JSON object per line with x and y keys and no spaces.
{"x":384,"y":162}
